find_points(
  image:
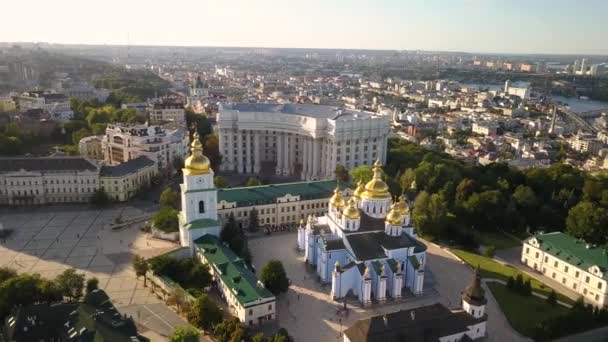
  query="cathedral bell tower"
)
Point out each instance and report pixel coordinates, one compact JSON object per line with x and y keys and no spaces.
{"x":199,"y":196}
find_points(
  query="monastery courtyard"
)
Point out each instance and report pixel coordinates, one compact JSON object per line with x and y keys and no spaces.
{"x":308,"y":313}
{"x":49,"y":240}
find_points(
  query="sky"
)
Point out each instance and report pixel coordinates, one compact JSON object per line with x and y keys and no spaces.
{"x":493,"y":26}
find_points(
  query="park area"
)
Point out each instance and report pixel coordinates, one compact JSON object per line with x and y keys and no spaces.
{"x":524,"y":312}
{"x":491,"y":269}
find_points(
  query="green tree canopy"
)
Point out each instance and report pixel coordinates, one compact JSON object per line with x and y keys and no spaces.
{"x":341,"y":174}
{"x":205,"y":314}
{"x":184,"y":333}
{"x":430,"y":214}
{"x":141,"y":267}
{"x":274,"y":278}
{"x":169,"y":198}
{"x":362,"y":173}
{"x":71,"y":284}
{"x":92,"y":285}
{"x":253,"y":181}
{"x":220,"y":182}
{"x":166,"y":220}
{"x":588,"y":221}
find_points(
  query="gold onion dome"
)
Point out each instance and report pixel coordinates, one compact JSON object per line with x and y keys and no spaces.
{"x":197,"y":163}
{"x":376,"y":188}
{"x":402,"y":206}
{"x":359,"y":190}
{"x":337,"y":200}
{"x":351,"y":210}
{"x":394,"y":217}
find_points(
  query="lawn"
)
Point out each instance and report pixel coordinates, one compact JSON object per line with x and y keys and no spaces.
{"x":499,"y":239}
{"x":523,"y":312}
{"x":492,"y":269}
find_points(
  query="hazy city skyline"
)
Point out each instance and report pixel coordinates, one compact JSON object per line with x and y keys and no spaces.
{"x":561,"y":27}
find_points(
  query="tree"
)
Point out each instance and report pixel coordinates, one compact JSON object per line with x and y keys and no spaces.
{"x":235,"y":237}
{"x":220,"y":182}
{"x":25,"y":289}
{"x":430,"y":214}
{"x":254,"y":223}
{"x":252,"y":181}
{"x":212,"y":150}
{"x":485,"y":210}
{"x":361,"y":173}
{"x":588,"y":221}
{"x":407,"y":179}
{"x":141,"y":267}
{"x":92,"y":285}
{"x":81,"y":133}
{"x":169,"y":198}
{"x":184,"y":333}
{"x":341,"y":173}
{"x":230,"y":330}
{"x":6,"y":274}
{"x":166,"y":220}
{"x":100,"y":198}
{"x":71,"y":284}
{"x":490,"y":251}
{"x":274,"y":278}
{"x":205,"y":313}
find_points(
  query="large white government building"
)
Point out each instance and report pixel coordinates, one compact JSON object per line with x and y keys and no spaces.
{"x":306,"y":141}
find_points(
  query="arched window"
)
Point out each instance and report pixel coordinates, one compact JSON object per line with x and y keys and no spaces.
{"x":201,"y":207}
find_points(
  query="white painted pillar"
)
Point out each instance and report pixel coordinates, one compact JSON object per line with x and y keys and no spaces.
{"x":257,"y":150}
{"x":316,"y":159}
{"x":248,"y":156}
{"x":287,"y":155}
{"x":240,"y":151}
{"x":303,"y":155}
{"x":279,"y":154}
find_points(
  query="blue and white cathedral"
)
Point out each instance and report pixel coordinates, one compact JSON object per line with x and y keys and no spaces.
{"x":365,"y":247}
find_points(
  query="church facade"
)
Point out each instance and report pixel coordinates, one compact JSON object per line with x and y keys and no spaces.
{"x":199,"y":230}
{"x":365,"y":247}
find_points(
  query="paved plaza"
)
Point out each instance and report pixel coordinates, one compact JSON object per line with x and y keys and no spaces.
{"x":309,"y":314}
{"x":49,"y":240}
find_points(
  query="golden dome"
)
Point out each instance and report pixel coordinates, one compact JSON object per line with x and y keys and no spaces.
{"x":337,"y":200}
{"x":394,"y":217}
{"x":359,"y":190}
{"x":197,"y":163}
{"x":402,"y":206}
{"x":376,"y":188}
{"x":351,"y":210}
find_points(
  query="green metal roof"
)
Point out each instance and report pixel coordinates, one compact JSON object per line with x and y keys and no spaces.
{"x":232,"y":270}
{"x":202,"y":223}
{"x":266,"y":194}
{"x":574,"y":251}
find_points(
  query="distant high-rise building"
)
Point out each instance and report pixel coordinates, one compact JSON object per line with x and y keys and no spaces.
{"x":576,"y":67}
{"x":584,"y":66}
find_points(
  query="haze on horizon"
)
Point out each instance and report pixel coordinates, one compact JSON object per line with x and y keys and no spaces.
{"x":483,"y":26}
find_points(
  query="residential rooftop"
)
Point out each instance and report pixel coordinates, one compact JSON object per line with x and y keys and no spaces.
{"x":574,"y":251}
{"x":48,"y":164}
{"x":128,"y":167}
{"x":311,"y":110}
{"x":233,"y":270}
